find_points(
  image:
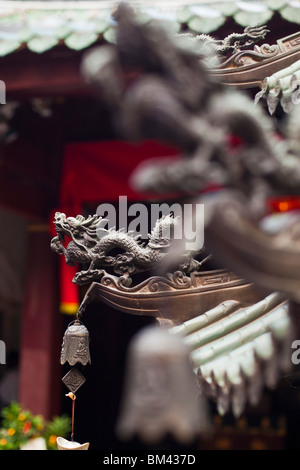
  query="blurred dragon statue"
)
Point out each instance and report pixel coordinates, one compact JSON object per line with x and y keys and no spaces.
{"x":239,"y":327}
{"x":158,"y":87}
{"x":89,"y":248}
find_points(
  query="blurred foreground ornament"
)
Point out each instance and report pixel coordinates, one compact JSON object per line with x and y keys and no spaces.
{"x":161,"y":396}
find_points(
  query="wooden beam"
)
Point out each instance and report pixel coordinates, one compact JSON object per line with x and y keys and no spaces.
{"x":40,"y":371}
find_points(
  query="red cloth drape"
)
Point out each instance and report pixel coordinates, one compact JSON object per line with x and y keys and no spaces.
{"x":99,"y":171}
{"x":95,"y":172}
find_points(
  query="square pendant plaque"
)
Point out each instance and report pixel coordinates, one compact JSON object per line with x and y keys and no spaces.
{"x":73,"y":380}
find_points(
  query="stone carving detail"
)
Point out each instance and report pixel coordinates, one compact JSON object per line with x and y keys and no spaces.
{"x":176,"y":280}
{"x":87,"y":249}
{"x":235,"y":42}
{"x":249,"y":57}
{"x":73,"y":380}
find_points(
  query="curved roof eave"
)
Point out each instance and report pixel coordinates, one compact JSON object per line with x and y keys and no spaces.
{"x":42,"y":25}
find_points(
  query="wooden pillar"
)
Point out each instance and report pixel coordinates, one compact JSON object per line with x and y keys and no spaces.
{"x":40,"y":371}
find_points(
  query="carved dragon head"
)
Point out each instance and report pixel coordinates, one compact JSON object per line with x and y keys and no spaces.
{"x":80,"y":229}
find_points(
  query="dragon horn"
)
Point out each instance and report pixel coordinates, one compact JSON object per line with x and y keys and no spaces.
{"x":102,"y":221}
{"x":90,"y":220}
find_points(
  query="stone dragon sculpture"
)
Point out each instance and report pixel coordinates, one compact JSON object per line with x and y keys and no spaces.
{"x":94,"y":248}
{"x":234,"y":42}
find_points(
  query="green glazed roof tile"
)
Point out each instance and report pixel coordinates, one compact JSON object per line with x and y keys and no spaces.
{"x":110,"y":35}
{"x":251,"y":14}
{"x":206,"y":25}
{"x":184,"y":15}
{"x":26,"y":22}
{"x":78,"y":41}
{"x":41,"y":44}
{"x":232,"y":346}
{"x":291,"y":13}
{"x":276,"y":4}
{"x":280,"y":88}
{"x":227,"y":8}
{"x":8,"y":46}
{"x":101,"y":24}
{"x":206,"y":11}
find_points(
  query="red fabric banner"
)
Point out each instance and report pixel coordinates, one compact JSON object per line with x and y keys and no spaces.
{"x":100,"y":171}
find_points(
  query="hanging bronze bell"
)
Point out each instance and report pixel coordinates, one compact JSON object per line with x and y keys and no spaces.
{"x":160,"y":394}
{"x":75,"y":347}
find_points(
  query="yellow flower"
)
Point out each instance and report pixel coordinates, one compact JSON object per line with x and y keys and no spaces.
{"x":21,"y":417}
{"x":11,"y":431}
{"x":3,"y":442}
{"x":40,"y":426}
{"x":52,"y":439}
